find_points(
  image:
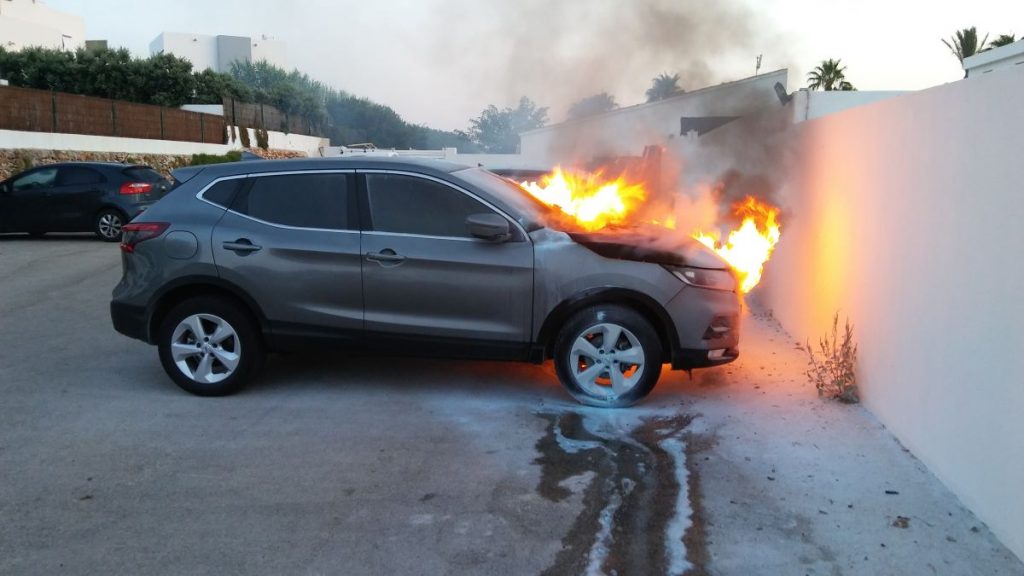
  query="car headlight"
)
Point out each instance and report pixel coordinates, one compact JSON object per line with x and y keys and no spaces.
{"x":705,"y":278}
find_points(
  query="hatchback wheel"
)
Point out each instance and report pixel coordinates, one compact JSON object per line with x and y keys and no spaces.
{"x":209,"y":346}
{"x":108,"y":225}
{"x":608,"y":356}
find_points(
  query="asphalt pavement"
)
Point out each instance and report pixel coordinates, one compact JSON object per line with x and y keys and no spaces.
{"x":331,"y":465}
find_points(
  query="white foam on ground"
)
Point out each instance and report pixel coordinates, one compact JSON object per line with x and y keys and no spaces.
{"x":682,"y":519}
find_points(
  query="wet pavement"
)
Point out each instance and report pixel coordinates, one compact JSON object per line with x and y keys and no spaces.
{"x":361,"y":466}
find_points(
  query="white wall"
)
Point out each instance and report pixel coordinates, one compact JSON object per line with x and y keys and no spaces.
{"x":310,"y":145}
{"x":627,"y":130}
{"x":1002,"y":58}
{"x":808,"y":104}
{"x":273,"y":51}
{"x":49,"y":141}
{"x":24,"y":23}
{"x":906,"y":215}
{"x":199,"y":49}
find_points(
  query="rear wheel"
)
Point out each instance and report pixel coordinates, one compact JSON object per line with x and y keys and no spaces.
{"x":210,"y":346}
{"x":608,"y":356}
{"x":108,"y":225}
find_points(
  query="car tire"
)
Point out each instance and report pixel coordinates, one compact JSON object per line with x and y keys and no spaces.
{"x":108,"y":225}
{"x":612,"y":374}
{"x":228,"y":348}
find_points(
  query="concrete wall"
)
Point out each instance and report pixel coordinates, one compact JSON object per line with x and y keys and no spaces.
{"x":309,"y":145}
{"x":50,"y":141}
{"x":25,"y":23}
{"x":198,"y":49}
{"x":1004,"y":57}
{"x":808,"y":105}
{"x":905,"y":215}
{"x":273,"y":51}
{"x":627,"y":131}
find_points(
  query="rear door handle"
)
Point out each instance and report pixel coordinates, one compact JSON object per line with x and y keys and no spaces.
{"x":385,"y":256}
{"x":241,"y":246}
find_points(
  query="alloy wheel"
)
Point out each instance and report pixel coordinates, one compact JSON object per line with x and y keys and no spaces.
{"x":205,"y":348}
{"x":607,"y":361}
{"x":109,"y":225}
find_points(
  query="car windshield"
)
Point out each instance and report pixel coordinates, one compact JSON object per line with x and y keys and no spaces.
{"x":530,"y":211}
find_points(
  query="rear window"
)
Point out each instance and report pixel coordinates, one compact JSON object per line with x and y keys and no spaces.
{"x":323,"y":201}
{"x":143,"y":174}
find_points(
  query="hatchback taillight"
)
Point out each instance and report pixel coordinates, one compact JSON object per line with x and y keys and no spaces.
{"x":137,"y":232}
{"x":136,"y":188}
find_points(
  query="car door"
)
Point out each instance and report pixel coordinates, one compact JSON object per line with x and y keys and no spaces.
{"x":25,"y":206}
{"x":76,"y":198}
{"x":426,"y":278}
{"x":291,"y":242}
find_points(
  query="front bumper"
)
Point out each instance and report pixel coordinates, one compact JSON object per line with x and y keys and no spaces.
{"x":688,"y":358}
{"x":129,"y":320}
{"x":707,"y":324}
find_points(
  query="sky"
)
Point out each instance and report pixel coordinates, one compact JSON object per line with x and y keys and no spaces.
{"x":441,"y":62}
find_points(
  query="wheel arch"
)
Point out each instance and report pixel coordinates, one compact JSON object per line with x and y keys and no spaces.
{"x":649,"y":308}
{"x":193,"y":286}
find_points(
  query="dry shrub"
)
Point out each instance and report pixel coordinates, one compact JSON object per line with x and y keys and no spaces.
{"x":834,"y":373}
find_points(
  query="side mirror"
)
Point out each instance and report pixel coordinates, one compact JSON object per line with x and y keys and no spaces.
{"x":6,"y":187}
{"x":490,"y":227}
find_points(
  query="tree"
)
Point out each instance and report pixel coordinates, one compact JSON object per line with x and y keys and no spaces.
{"x":497,"y":131}
{"x":591,"y":105}
{"x":829,"y":75}
{"x":663,"y":86}
{"x":1001,"y":40}
{"x":964,"y":44}
{"x":213,"y":87}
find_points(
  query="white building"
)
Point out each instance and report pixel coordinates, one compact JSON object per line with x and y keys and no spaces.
{"x":628,"y":130}
{"x":219,"y":52}
{"x":27,"y":23}
{"x":995,"y":59}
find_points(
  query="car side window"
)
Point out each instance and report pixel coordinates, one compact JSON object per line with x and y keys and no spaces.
{"x":42,"y":178}
{"x":324,"y":201}
{"x":410,"y":205}
{"x":78,"y":176}
{"x":223,"y":192}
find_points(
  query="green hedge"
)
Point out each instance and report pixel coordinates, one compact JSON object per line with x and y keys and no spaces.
{"x":201,"y":159}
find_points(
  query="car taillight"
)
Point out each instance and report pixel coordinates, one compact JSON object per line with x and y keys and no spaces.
{"x":136,"y":188}
{"x":136,"y":232}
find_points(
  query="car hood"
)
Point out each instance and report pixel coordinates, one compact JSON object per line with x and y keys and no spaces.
{"x":643,"y":246}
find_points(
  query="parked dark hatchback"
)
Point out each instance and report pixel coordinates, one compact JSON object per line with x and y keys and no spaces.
{"x":95,"y":197}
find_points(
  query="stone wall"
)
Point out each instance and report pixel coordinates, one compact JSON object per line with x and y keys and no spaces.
{"x":14,"y":161}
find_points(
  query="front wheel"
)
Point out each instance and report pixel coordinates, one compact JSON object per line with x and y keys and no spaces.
{"x":209,"y":346}
{"x":608,"y":356}
{"x":108,"y":225}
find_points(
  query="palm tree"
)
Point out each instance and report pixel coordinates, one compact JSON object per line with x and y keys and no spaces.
{"x":1001,"y":40}
{"x":964,"y":44}
{"x":664,"y":86}
{"x":828,"y":76}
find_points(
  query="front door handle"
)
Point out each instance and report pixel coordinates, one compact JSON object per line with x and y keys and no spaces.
{"x":385,"y":256}
{"x":241,"y":246}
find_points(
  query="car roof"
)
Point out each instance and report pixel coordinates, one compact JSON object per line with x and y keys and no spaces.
{"x":424,"y":165}
{"x":86,"y":164}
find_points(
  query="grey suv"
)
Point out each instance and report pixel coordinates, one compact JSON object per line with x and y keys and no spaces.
{"x":408,"y":257}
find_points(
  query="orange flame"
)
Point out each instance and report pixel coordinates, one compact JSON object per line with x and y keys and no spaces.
{"x":595,"y":202}
{"x":749,"y":246}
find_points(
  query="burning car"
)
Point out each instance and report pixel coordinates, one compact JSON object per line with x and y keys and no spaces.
{"x":410,"y":257}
